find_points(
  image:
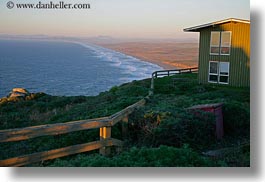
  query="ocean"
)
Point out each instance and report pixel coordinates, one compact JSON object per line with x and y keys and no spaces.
{"x":66,"y":68}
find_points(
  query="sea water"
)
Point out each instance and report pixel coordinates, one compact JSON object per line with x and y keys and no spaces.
{"x":66,"y":68}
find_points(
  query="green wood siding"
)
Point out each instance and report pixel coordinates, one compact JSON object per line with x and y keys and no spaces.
{"x":239,"y":57}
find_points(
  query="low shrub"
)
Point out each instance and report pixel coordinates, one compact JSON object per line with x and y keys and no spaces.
{"x":172,"y":129}
{"x":162,"y":156}
{"x":236,"y":119}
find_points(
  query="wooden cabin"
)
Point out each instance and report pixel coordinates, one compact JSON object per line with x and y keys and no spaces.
{"x":224,"y":52}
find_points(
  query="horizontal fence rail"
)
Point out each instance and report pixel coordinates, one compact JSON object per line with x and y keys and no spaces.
{"x":127,"y":111}
{"x":56,"y":153}
{"x":162,"y":73}
{"x":12,"y":135}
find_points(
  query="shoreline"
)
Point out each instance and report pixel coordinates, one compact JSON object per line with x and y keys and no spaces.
{"x":166,"y":55}
{"x":163,"y":65}
{"x":157,"y":63}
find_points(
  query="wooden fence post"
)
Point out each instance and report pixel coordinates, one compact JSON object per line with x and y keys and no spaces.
{"x":151,"y":91}
{"x":105,"y":133}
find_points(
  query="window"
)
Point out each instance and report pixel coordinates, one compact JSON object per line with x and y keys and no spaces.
{"x":215,"y":42}
{"x":223,"y":72}
{"x":219,"y":72}
{"x":225,"y":43}
{"x":220,"y":43}
{"x":213,"y":71}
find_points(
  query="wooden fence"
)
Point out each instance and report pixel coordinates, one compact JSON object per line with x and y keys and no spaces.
{"x":163,"y":73}
{"x":104,"y":124}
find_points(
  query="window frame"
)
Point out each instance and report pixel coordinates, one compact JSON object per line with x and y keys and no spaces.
{"x":229,"y":43}
{"x":220,"y":43}
{"x":219,"y":73}
{"x":215,"y":46}
{"x":216,"y":74}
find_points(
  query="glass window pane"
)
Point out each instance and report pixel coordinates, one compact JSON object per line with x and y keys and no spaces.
{"x":215,"y":39}
{"x":225,"y":50}
{"x":224,"y":68}
{"x":213,"y":78}
{"x":223,"y":79}
{"x":215,"y":50}
{"x":213,"y":67}
{"x":225,"y":39}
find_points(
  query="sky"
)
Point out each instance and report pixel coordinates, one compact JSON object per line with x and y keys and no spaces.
{"x":120,"y":18}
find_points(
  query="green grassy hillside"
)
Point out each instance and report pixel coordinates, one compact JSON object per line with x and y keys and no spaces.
{"x":162,"y":133}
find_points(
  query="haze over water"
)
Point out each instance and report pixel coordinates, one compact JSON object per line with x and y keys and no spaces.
{"x":64,"y":68}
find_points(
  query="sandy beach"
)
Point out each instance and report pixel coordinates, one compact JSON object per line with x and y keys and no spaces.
{"x":169,"y":55}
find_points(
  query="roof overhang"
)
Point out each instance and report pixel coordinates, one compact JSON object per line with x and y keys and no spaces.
{"x":197,"y":28}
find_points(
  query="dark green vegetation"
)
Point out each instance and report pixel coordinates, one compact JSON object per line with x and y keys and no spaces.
{"x":142,"y":157}
{"x":163,"y":133}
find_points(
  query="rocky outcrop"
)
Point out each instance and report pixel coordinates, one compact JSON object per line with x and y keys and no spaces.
{"x":18,"y":93}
